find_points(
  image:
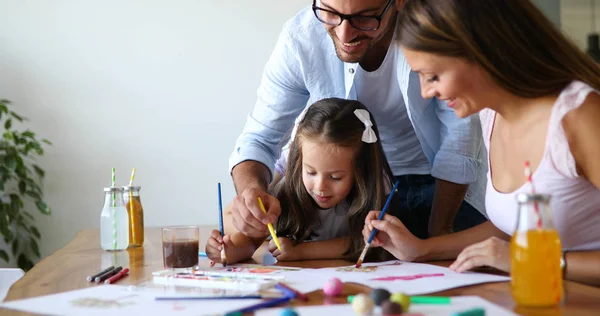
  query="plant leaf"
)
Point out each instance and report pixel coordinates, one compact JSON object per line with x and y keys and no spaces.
{"x":28,"y":133}
{"x":28,"y":215}
{"x":11,"y":162}
{"x":24,"y":263}
{"x":16,"y":116}
{"x":43,"y":207}
{"x":8,"y":135}
{"x":15,"y":246}
{"x":35,"y":247}
{"x":8,"y":124}
{"x":35,"y":232}
{"x":5,"y":228}
{"x":40,"y":172}
{"x":47,"y":141}
{"x":3,"y":255}
{"x":22,"y":186}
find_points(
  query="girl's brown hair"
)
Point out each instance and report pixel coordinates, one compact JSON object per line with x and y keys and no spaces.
{"x":512,"y":40}
{"x":332,"y":121}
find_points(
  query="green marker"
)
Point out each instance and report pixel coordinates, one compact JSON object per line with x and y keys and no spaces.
{"x":471,"y":312}
{"x":439,"y":300}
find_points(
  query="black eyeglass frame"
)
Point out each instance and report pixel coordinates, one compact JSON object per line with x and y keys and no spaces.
{"x":351,"y":16}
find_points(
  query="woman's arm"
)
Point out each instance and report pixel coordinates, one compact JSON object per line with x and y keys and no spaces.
{"x":450,"y":246}
{"x":583,"y":134}
{"x":583,"y":266}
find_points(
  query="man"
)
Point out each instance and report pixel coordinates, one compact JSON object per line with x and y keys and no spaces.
{"x":344,"y":48}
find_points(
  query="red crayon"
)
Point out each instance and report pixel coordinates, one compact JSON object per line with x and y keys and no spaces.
{"x":117,"y":276}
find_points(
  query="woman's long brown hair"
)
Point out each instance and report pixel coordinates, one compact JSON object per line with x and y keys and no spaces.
{"x":332,"y":121}
{"x":513,"y":40}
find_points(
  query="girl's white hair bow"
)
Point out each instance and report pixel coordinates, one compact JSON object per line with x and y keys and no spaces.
{"x":368,"y":135}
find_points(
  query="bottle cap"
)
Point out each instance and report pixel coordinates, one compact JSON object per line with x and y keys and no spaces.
{"x":528,"y":197}
{"x":113,"y":189}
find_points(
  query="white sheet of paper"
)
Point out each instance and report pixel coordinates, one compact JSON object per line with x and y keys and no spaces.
{"x":395,"y":276}
{"x":459,"y":304}
{"x":118,"y":300}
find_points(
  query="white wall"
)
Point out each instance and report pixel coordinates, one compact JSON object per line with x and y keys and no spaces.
{"x":163,"y":86}
{"x":576,"y":19}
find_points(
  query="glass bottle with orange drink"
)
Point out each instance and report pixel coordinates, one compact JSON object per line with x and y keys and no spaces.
{"x":131,"y":196}
{"x":535,"y":253}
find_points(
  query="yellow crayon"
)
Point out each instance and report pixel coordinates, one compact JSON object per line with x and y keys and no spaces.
{"x":269,"y":225}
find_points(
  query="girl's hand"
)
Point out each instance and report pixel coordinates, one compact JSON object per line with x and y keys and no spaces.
{"x":393,"y":236}
{"x":493,"y":252}
{"x":214,"y":244}
{"x":287,"y":252}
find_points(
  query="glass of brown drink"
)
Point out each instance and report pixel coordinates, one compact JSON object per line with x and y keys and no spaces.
{"x":180,"y":246}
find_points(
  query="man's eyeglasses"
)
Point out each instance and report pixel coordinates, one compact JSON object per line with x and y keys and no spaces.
{"x":360,"y":22}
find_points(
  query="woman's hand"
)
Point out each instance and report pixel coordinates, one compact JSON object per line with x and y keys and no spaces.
{"x":287,"y":252}
{"x":493,"y":252}
{"x":214,"y":244}
{"x":393,"y":236}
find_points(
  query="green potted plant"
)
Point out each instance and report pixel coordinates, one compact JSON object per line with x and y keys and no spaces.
{"x":20,"y":189}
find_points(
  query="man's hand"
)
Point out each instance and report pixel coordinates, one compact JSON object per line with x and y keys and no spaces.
{"x":393,"y":236}
{"x":247,"y":216}
{"x":493,"y":252}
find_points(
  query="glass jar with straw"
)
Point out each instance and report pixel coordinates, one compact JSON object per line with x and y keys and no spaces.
{"x":131,"y":196}
{"x":535,"y":252}
{"x":114,"y":222}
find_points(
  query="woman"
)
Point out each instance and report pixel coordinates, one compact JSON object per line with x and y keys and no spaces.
{"x":537,"y":96}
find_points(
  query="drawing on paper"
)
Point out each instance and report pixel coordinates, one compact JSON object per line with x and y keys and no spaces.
{"x":354,"y":269}
{"x":92,"y":302}
{"x":408,"y":277}
{"x":365,"y":268}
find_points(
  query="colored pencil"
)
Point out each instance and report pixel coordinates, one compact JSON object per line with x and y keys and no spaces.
{"x":223,"y":254}
{"x":374,"y":231}
{"x":251,"y":308}
{"x":107,"y":275}
{"x":195,"y":298}
{"x":293,"y":292}
{"x":93,"y":277}
{"x":117,"y":276}
{"x":269,"y":225}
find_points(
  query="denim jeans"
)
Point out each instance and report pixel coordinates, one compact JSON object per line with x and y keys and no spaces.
{"x":412,"y":205}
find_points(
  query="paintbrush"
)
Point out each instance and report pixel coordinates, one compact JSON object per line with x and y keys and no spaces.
{"x":222,"y":231}
{"x":374,"y":231}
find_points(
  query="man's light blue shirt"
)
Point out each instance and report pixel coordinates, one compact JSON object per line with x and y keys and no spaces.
{"x":304,"y":68}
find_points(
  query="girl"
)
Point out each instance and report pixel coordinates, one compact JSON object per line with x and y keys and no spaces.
{"x":537,"y":95}
{"x":337,"y":173}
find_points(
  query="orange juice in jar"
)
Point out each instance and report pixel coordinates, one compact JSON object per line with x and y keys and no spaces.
{"x":535,"y":252}
{"x":131,"y":196}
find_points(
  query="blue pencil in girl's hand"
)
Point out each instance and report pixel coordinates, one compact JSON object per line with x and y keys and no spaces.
{"x":223,"y":255}
{"x":374,"y":231}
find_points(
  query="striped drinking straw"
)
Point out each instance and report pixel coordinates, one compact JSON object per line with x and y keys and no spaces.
{"x":114,"y":211}
{"x":528,"y":175}
{"x":131,"y":215}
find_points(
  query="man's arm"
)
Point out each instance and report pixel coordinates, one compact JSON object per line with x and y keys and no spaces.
{"x":250,"y":174}
{"x":447,"y":199}
{"x":455,"y":166}
{"x":282,"y":95}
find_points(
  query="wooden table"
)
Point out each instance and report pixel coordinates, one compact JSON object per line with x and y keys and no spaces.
{"x":67,"y":268}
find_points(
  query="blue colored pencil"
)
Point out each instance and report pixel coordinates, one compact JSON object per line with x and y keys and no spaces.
{"x":374,"y":231}
{"x":223,"y":254}
{"x":251,"y":308}
{"x":195,"y":298}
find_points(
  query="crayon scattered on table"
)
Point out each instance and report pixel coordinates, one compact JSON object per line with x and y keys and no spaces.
{"x":93,"y":277}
